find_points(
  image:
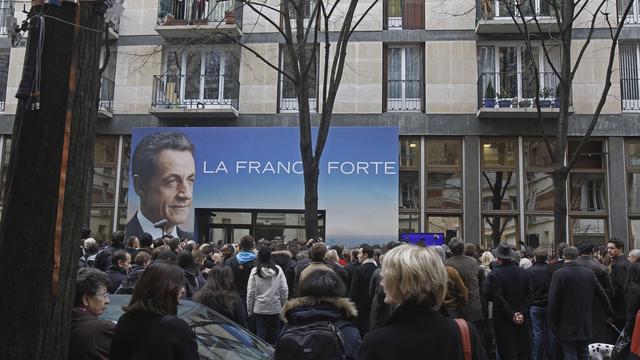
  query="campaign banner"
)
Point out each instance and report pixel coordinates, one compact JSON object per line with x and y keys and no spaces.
{"x":175,"y":171}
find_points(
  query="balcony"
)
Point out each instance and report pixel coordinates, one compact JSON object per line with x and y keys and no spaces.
{"x":494,"y":17}
{"x":512,"y":95}
{"x":195,"y":96}
{"x":404,"y":95}
{"x":633,"y":17}
{"x":289,"y":104}
{"x":630,"y":94}
{"x":189,"y":19}
{"x":105,"y":102}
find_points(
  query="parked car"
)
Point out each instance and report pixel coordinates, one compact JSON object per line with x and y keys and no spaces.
{"x":218,"y":337}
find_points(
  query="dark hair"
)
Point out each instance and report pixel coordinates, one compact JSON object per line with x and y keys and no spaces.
{"x":186,"y":260}
{"x":118,"y":239}
{"x":158,"y":242}
{"x":294,"y":248}
{"x":120,"y":255}
{"x":617,"y":242}
{"x":322,"y":284}
{"x":560,"y":249}
{"x":87,"y":283}
{"x":219,"y":289}
{"x":146,"y":240}
{"x":367,"y":249}
{"x":317,"y":252}
{"x":173,"y":244}
{"x":354,"y":255}
{"x":541,"y":255}
{"x":145,"y":156}
{"x":470,"y":249}
{"x":247,"y":243}
{"x":131,"y":240}
{"x":264,"y":260}
{"x":456,"y":245}
{"x":585,"y":247}
{"x":167,"y":255}
{"x":157,"y":290}
{"x":570,"y":253}
{"x":141,"y":258}
{"x":85,"y":233}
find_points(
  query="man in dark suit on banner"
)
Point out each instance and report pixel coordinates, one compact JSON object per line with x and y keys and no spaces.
{"x":163,"y":170}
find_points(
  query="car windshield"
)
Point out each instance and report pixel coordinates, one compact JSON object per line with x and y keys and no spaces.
{"x":218,"y":338}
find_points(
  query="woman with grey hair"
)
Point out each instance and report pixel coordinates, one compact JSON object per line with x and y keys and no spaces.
{"x":90,"y":337}
{"x":415,"y":279}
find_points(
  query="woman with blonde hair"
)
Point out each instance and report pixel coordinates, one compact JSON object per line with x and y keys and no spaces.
{"x":415,"y":279}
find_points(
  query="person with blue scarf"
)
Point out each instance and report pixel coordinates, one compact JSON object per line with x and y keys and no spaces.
{"x":241,"y":265}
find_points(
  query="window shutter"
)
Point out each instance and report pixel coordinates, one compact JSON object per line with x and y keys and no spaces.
{"x":385,"y":77}
{"x":413,"y":14}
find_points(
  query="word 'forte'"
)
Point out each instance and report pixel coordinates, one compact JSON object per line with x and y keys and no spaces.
{"x":296,"y":167}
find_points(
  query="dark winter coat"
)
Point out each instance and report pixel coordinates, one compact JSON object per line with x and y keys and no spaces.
{"x":193,"y":281}
{"x":601,"y":328}
{"x":540,"y":279}
{"x":573,"y":288}
{"x":116,"y":275}
{"x":339,"y":311}
{"x":359,"y":294}
{"x":619,"y":268}
{"x":143,"y":336}
{"x":349,"y":270}
{"x":303,"y":264}
{"x":90,"y":337}
{"x":507,"y":285}
{"x":414,"y":331}
{"x":241,"y":274}
{"x":237,"y":314}
{"x":471,"y":273}
{"x":288,"y":266}
{"x":103,"y":258}
{"x":633,"y":305}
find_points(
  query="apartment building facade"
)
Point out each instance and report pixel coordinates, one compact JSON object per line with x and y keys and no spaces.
{"x":470,"y":163}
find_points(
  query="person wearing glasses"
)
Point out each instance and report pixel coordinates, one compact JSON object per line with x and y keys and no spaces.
{"x":90,"y":336}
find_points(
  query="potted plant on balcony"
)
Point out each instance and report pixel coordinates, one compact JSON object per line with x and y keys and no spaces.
{"x":505,"y":99}
{"x":556,"y":101}
{"x":524,"y":103}
{"x":489,"y":96}
{"x":544,"y":101}
{"x":230,"y":16}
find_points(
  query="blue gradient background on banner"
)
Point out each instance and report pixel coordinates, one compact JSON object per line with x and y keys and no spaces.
{"x":360,"y":207}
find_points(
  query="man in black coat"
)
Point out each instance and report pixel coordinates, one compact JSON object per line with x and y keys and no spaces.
{"x":117,"y":271}
{"x":241,"y":265}
{"x":540,"y":279}
{"x":571,"y":294}
{"x":600,"y":326}
{"x":359,"y":290}
{"x":103,"y":259}
{"x":619,"y":267}
{"x":507,"y":285}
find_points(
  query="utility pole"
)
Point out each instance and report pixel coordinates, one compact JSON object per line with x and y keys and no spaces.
{"x":49,"y":171}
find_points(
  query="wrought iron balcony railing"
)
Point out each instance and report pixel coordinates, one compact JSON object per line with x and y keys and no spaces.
{"x":195,"y":91}
{"x":517,"y":90}
{"x":404,"y":95}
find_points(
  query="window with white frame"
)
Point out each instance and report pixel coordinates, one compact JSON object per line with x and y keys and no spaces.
{"x":404,"y":77}
{"x":511,"y":72}
{"x":630,"y":75}
{"x":205,"y":76}
{"x":288,"y":94}
{"x":527,"y":8}
{"x":632,"y":17}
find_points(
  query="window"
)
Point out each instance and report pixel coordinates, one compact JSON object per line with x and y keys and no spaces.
{"x":404,"y":14}
{"x":587,"y":193}
{"x":499,"y":191}
{"x":288,"y":94}
{"x":404,"y":77}
{"x":528,"y":8}
{"x":192,"y":12}
{"x":4,"y":72}
{"x":443,"y":185}
{"x":206,"y":78}
{"x":6,"y":156}
{"x":633,"y":17}
{"x":107,"y":82}
{"x":632,"y":154}
{"x":509,"y":73}
{"x":539,"y":194}
{"x":307,"y":7}
{"x":630,"y":76}
{"x":409,"y":190}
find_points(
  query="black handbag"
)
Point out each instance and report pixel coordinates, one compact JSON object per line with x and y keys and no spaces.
{"x":622,"y":347}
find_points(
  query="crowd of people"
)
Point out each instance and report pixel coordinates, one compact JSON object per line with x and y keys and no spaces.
{"x":397,"y":301}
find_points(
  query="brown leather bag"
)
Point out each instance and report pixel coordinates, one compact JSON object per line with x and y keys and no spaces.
{"x":466,"y":338}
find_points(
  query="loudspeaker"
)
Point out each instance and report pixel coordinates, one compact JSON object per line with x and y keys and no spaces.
{"x":450,"y":234}
{"x":533,"y":240}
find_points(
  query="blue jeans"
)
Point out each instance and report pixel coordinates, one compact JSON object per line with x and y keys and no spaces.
{"x":543,"y":337}
{"x":574,"y":350}
{"x":268,"y":327}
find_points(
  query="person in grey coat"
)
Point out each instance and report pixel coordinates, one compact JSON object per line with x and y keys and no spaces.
{"x":471,"y":273}
{"x":573,"y":288}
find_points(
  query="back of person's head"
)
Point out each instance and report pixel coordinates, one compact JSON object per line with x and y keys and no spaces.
{"x":146,"y":240}
{"x":118,"y":239}
{"x":541,"y":255}
{"x":412,"y":272}
{"x":120,"y":255}
{"x":322,"y":283}
{"x":635,"y":253}
{"x":158,"y":242}
{"x":470,"y":249}
{"x":91,"y":245}
{"x":354,"y":255}
{"x":570,"y":253}
{"x":294,"y":248}
{"x":301,"y":255}
{"x":487,"y":258}
{"x":142,"y":258}
{"x":318,"y":251}
{"x":199,"y":257}
{"x":456,"y":245}
{"x":168,"y":256}
{"x":85,"y":233}
{"x":585,"y":247}
{"x":617,"y":243}
{"x":247,"y":243}
{"x":264,"y":255}
{"x":220,"y":278}
{"x":337,"y":248}
{"x":332,"y":256}
{"x":440,"y":251}
{"x":157,"y":290}
{"x":88,"y":282}
{"x":560,"y":249}
{"x":525,"y":263}
{"x":368,"y":250}
{"x":186,"y":260}
{"x":173,"y":244}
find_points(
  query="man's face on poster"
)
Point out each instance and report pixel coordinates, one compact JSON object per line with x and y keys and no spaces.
{"x":168,"y":192}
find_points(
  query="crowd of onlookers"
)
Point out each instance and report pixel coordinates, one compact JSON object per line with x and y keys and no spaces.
{"x":396,"y":301}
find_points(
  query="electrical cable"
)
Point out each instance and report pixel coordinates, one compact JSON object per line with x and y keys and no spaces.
{"x":70,"y":23}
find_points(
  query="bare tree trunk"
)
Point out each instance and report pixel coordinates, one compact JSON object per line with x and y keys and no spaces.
{"x":560,"y":206}
{"x":40,"y":265}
